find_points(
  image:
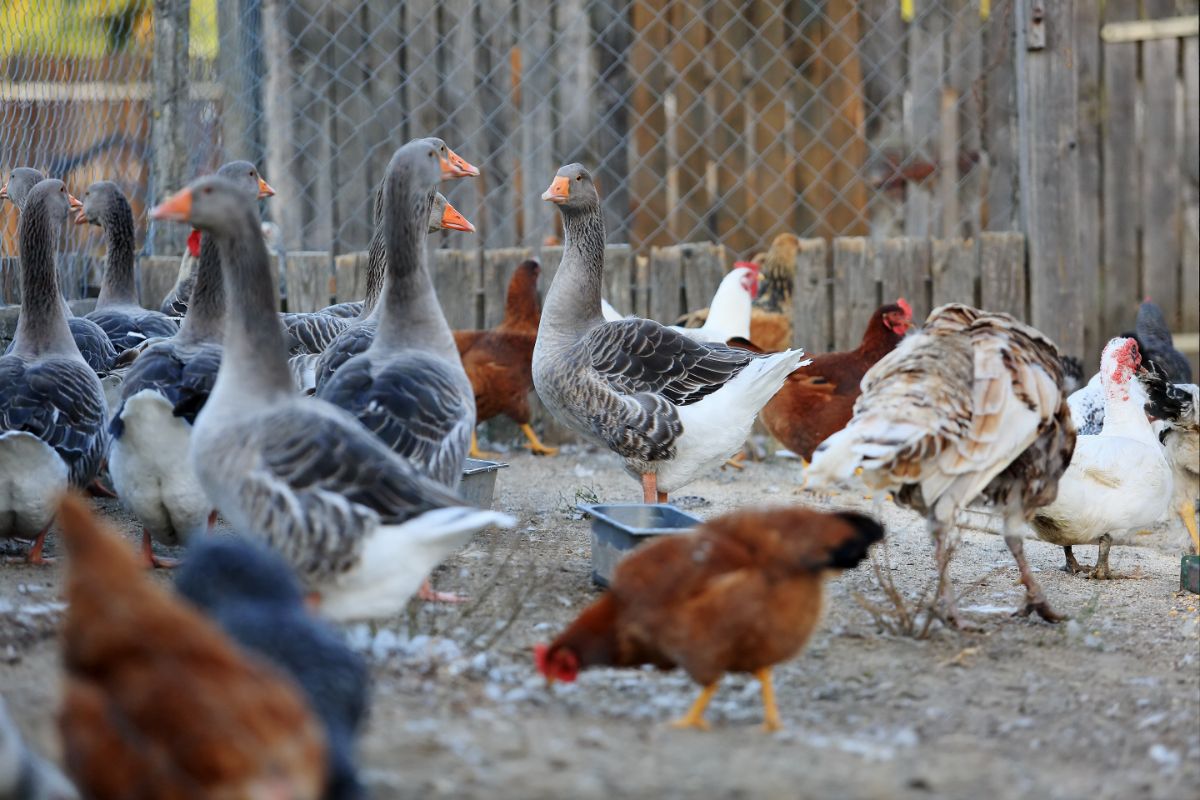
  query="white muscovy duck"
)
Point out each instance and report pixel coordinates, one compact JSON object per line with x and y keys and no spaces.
{"x":729,"y":311}
{"x":670,"y":406}
{"x":52,"y":410}
{"x":161,"y":395}
{"x":1119,"y":478}
{"x":361,"y":525}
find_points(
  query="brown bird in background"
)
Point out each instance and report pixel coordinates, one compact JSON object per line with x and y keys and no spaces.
{"x":158,"y":702}
{"x":741,"y":594}
{"x":771,"y":311}
{"x":499,"y":361}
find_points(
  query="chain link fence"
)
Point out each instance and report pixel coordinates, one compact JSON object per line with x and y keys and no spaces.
{"x":713,"y":120}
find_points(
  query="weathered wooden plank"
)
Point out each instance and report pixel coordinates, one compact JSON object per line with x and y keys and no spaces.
{"x":926,"y":67}
{"x":157,"y":275}
{"x":307,"y":280}
{"x":666,"y":284}
{"x":947,"y":181}
{"x":277,"y":127}
{"x":456,"y":276}
{"x":609,"y":51}
{"x":498,"y":268}
{"x":812,"y":299}
{"x":966,"y":78}
{"x":169,"y":130}
{"x":1049,"y":175}
{"x":463,"y":123}
{"x":352,"y":219}
{"x":649,"y":161}
{"x":855,"y":289}
{"x":1003,"y":273}
{"x":703,"y":265}
{"x":421,"y":76}
{"x":1087,"y":62}
{"x":903,"y":265}
{"x":549,"y":257}
{"x":771,"y":182}
{"x":387,"y":124}
{"x":954,"y":271}
{"x":497,"y":223}
{"x":883,"y":85}
{"x":537,"y":79}
{"x":641,"y":286}
{"x":729,"y":35}
{"x":350,"y":277}
{"x":1160,"y":164}
{"x":999,"y":129}
{"x":688,"y":136}
{"x":1190,"y":278}
{"x":1119,"y":146}
{"x":618,"y":277}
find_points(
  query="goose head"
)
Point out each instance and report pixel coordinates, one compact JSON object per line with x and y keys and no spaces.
{"x":19,"y":184}
{"x":452,"y":164}
{"x":445,"y":217}
{"x":246,"y":174}
{"x":51,"y":198}
{"x":573,"y":189}
{"x":100,"y":199}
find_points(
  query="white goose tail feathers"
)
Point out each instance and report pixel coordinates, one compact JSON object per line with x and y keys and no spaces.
{"x":763,"y":377}
{"x":397,"y":558}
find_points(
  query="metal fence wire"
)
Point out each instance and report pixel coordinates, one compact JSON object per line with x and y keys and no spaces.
{"x":716,"y":120}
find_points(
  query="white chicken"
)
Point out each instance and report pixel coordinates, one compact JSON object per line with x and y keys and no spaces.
{"x":729,"y":312}
{"x":969,"y":406}
{"x":1119,"y":478}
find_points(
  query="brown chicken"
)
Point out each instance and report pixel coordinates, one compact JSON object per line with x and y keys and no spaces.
{"x":158,"y":702}
{"x":819,"y":399}
{"x":741,"y":594}
{"x":499,"y":361}
{"x":771,"y":312}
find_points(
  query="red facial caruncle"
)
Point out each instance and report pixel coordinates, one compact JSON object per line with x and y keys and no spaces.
{"x":899,"y":323}
{"x":750,"y":281}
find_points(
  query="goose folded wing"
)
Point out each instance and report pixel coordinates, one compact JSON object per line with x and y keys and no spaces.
{"x":639,"y":355}
{"x":312,"y":333}
{"x":60,"y":402}
{"x":414,"y":405}
{"x":185,"y":377}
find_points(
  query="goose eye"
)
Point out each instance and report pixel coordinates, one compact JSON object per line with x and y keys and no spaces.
{"x":578,"y":177}
{"x":208,"y":190}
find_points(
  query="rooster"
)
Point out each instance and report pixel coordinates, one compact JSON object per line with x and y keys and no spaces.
{"x":820,"y":400}
{"x":971,"y":405}
{"x":499,"y":362}
{"x":741,"y":594}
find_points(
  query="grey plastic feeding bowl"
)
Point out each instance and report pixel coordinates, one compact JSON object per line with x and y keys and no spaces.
{"x":619,"y":528}
{"x":478,"y":484}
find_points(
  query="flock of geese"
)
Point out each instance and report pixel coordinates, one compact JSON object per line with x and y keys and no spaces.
{"x":338,"y":437}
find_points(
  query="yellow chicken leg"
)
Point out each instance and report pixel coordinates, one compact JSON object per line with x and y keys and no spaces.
{"x":694,"y":718}
{"x":535,"y":444}
{"x":771,"y":721}
{"x":1188,"y":512}
{"x":475,"y":452}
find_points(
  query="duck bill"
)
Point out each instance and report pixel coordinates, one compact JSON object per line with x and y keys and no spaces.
{"x":176,"y":208}
{"x":559,"y":191}
{"x":455,"y":166}
{"x":454,"y":221}
{"x":264,"y":189}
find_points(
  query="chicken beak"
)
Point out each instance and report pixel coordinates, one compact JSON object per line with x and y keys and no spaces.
{"x":559,"y":191}
{"x":454,"y":221}
{"x":455,"y":166}
{"x":264,"y":189}
{"x":177,"y":207}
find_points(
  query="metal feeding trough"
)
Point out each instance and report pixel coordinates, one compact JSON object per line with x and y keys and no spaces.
{"x":617,"y":529}
{"x":478,"y":484}
{"x":1189,"y":574}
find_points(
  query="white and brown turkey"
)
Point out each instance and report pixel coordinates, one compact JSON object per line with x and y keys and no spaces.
{"x":970,"y":406}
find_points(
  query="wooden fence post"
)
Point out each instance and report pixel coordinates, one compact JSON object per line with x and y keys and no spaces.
{"x":812,"y":298}
{"x":1048,"y":103}
{"x":168,"y":133}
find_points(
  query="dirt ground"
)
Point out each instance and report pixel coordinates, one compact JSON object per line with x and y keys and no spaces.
{"x":1106,"y":705}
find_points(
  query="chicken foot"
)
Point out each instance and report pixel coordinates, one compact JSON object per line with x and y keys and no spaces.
{"x":771,"y":721}
{"x":694,"y":718}
{"x":1034,"y":599}
{"x":1101,"y":571}
{"x":152,"y":561}
{"x":475,"y":452}
{"x":535,"y":444}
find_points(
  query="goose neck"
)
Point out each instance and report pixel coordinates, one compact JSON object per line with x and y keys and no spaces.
{"x":118,"y":288}
{"x":205,"y":317}
{"x":42,"y":325}
{"x":572,"y":304}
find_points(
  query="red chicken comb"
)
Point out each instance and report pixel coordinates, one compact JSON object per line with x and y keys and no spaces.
{"x":540,"y":653}
{"x":193,"y":243}
{"x":904,"y":306}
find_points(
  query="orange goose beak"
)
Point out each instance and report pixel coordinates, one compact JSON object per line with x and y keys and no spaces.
{"x":455,"y":166}
{"x":454,"y":221}
{"x":559,"y":191}
{"x":75,"y":202}
{"x":264,"y":189}
{"x":4,"y":191}
{"x":177,"y":207}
